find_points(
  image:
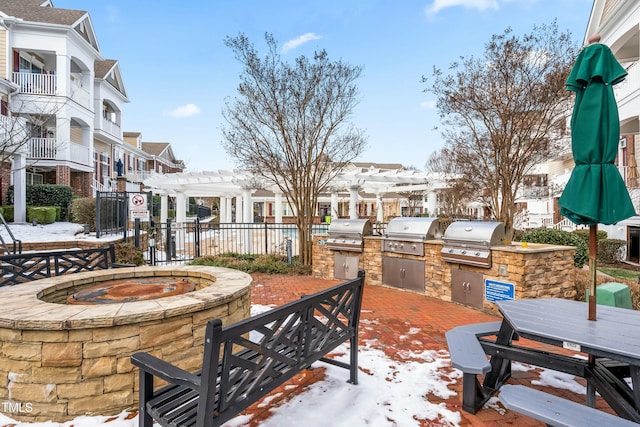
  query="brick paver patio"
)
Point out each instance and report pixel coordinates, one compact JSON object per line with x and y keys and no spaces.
{"x":395,"y":312}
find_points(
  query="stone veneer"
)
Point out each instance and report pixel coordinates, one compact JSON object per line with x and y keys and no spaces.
{"x":537,"y":271}
{"x":60,"y":361}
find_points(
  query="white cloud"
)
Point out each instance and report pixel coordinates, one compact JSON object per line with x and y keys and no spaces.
{"x":184,"y":111}
{"x":294,"y":43}
{"x":428,"y":105}
{"x":439,"y":5}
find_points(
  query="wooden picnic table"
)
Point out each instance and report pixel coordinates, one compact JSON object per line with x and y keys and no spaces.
{"x":611,"y":344}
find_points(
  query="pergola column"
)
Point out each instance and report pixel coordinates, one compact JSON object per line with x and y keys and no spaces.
{"x":334,"y":205}
{"x":278,"y":208}
{"x":432,"y":202}
{"x":228,"y":210}
{"x":164,"y":208}
{"x":379,"y":208}
{"x":238,"y":218}
{"x":353,"y":202}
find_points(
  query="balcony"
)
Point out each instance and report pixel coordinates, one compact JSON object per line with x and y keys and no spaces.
{"x":139,"y":176}
{"x":630,"y":84}
{"x":50,"y":149}
{"x":36,"y":84}
{"x":112,"y":128}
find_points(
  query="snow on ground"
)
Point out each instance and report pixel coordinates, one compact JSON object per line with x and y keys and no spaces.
{"x":389,"y":393}
{"x":56,"y":232}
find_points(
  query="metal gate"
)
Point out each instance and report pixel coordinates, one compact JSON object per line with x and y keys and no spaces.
{"x":112,"y":212}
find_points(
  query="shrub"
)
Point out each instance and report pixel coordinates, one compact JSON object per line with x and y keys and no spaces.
{"x":126,"y":253}
{"x":584,"y":235}
{"x":47,"y":195}
{"x":42,"y":214}
{"x":7,"y":213}
{"x":559,"y":237}
{"x":83,"y":211}
{"x":611,"y":251}
{"x":270,"y":264}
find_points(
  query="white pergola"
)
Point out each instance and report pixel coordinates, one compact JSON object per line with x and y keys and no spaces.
{"x":241,"y":185}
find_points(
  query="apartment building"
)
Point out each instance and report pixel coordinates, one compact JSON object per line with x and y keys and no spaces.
{"x":62,"y":104}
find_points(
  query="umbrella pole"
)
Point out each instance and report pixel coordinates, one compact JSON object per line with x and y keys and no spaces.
{"x":593,"y":250}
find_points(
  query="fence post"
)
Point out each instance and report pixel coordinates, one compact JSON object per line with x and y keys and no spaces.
{"x":136,"y":232}
{"x":97,"y":214}
{"x":289,"y":257}
{"x":266,"y":237}
{"x":168,"y":240}
{"x":196,"y":237}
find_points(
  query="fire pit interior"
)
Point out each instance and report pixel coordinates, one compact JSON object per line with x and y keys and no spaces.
{"x":130,"y":290}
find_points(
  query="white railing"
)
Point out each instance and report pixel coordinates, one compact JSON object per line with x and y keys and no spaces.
{"x":42,"y":148}
{"x":139,"y":176}
{"x":38,"y":84}
{"x":112,"y":128}
{"x":79,"y":94}
{"x":629,"y":84}
{"x":100,"y":187}
{"x":568,"y":225}
{"x":79,"y":154}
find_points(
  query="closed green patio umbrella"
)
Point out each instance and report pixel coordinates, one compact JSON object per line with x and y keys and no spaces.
{"x":595,"y":193}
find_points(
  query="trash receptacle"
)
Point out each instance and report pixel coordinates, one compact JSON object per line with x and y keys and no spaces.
{"x":614,"y":294}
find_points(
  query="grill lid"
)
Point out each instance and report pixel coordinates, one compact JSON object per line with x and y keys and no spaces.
{"x":412,"y":228}
{"x":483,"y":233}
{"x":350,"y":228}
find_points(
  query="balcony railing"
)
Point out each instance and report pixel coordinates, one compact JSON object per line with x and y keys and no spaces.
{"x":37,"y":84}
{"x":139,"y":176}
{"x":79,"y":154}
{"x":49,"y":149}
{"x":110,"y":127}
{"x":629,"y":84}
{"x":42,"y":148}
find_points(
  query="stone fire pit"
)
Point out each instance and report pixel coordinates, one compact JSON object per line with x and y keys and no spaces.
{"x":61,"y":360}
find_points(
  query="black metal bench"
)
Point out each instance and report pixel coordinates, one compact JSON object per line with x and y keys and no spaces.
{"x":245,"y":361}
{"x":554,"y":410}
{"x":30,"y":266}
{"x":468,"y":355}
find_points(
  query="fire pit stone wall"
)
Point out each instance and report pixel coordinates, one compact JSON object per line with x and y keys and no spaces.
{"x":60,"y":361}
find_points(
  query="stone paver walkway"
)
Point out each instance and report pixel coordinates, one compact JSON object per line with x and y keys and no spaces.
{"x":394,"y":312}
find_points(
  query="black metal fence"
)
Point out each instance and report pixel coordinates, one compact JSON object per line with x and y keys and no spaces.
{"x":174,"y":243}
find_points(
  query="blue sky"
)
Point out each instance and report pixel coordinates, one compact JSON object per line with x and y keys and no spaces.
{"x":177,"y":70}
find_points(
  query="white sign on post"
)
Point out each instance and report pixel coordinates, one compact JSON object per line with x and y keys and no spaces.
{"x":138,"y":206}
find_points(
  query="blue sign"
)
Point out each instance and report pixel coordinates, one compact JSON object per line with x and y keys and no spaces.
{"x":498,"y":291}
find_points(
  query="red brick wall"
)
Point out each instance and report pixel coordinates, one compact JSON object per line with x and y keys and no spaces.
{"x":81,"y":183}
{"x":5,"y":181}
{"x":63,"y":175}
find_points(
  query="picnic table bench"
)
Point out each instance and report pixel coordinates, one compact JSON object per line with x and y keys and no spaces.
{"x":468,"y":356}
{"x":556,"y":411}
{"x":245,"y":361}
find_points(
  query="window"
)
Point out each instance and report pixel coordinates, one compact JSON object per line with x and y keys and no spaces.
{"x":34,"y":178}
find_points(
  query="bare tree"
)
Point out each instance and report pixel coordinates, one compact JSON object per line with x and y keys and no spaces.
{"x":290,"y":124}
{"x":502,"y":112}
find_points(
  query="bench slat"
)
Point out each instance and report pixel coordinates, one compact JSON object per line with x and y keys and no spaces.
{"x":554,"y":410}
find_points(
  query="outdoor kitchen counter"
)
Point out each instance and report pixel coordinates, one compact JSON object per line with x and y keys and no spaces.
{"x":539,"y":270}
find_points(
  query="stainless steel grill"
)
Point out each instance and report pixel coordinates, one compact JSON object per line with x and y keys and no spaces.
{"x":469,"y":242}
{"x":406,"y":235}
{"x":347,"y":234}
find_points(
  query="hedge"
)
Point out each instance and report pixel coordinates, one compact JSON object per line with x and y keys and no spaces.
{"x":552,"y":236}
{"x":42,"y":214}
{"x":47,"y":195}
